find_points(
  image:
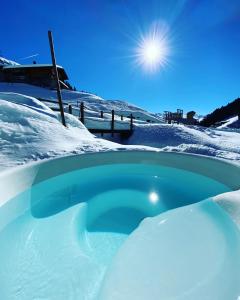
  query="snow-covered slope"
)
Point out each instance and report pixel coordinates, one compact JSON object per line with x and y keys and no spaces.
{"x":91,"y":101}
{"x":32,"y":131}
{"x":195,"y":139}
{"x":233,"y":122}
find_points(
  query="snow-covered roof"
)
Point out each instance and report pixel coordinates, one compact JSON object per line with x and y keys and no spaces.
{"x":30,"y":66}
{"x":5,"y":62}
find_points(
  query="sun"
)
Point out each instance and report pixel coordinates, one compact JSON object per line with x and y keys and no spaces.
{"x":153,"y":50}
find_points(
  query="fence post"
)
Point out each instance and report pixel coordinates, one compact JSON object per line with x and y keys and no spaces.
{"x":131,"y":122}
{"x":56,"y":77}
{"x":121,"y":117}
{"x":82,"y":112}
{"x":70,"y":109}
{"x":112,"y":123}
{"x":101,"y":114}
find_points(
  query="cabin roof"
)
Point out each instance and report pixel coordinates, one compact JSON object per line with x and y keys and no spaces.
{"x":29,"y":66}
{"x":35,"y":66}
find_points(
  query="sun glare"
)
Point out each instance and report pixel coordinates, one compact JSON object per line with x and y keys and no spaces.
{"x":153,"y":50}
{"x":153,"y":197}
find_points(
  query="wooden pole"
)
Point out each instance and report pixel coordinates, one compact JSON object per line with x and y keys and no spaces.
{"x":82,"y":112}
{"x":55,"y":73}
{"x":121,"y":117}
{"x":101,"y":114}
{"x":131,"y":122}
{"x":112,"y":123}
{"x":70,"y":109}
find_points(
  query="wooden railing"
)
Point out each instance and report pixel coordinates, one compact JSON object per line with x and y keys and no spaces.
{"x":82,"y":118}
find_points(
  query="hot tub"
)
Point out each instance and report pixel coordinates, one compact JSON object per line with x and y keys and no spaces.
{"x":69,"y":228}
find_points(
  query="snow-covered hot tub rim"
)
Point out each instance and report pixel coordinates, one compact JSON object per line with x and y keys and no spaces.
{"x":18,"y":179}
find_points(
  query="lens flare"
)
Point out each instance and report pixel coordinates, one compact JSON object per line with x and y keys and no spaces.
{"x":153,"y":50}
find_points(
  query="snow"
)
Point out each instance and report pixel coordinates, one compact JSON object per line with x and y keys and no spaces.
{"x":231,"y":203}
{"x":7,"y":62}
{"x":29,"y":66}
{"x":174,"y":262}
{"x":92,"y":101}
{"x":30,"y":130}
{"x":233,"y":122}
{"x":194,"y":139}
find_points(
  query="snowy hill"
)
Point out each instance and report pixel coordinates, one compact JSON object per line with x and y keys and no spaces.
{"x":92,"y":102}
{"x":30,"y":130}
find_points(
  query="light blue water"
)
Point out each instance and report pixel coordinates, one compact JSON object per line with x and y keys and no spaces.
{"x":63,"y":245}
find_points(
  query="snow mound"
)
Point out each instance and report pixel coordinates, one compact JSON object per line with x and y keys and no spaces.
{"x":27,"y":101}
{"x":174,"y":262}
{"x":31,"y":131}
{"x":194,"y":139}
{"x":231,"y":203}
{"x":233,"y":122}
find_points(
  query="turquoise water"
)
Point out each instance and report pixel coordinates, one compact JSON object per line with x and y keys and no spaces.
{"x":64,"y":245}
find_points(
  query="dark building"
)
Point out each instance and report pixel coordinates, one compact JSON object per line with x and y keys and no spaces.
{"x":36,"y":74}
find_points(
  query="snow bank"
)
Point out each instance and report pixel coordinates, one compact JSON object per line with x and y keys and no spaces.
{"x":30,"y":131}
{"x":27,"y":101}
{"x":233,"y":122}
{"x":174,"y":262}
{"x":180,"y":138}
{"x":231,"y":203}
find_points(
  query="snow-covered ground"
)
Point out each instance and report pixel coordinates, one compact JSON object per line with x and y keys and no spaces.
{"x":30,"y":130}
{"x":194,"y":139}
{"x":232,"y":122}
{"x":91,"y":101}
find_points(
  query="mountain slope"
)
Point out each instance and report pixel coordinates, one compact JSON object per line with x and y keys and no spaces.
{"x":232,"y":109}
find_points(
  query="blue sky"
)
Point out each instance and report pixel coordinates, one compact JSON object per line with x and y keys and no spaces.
{"x":95,"y":41}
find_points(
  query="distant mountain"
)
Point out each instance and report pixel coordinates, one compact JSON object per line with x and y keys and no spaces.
{"x":219,"y":115}
{"x":7,"y":62}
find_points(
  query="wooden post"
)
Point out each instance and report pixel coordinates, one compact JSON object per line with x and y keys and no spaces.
{"x":70,"y":109}
{"x":121,"y":117}
{"x":131,"y":122}
{"x":112,"y":123}
{"x":101,"y":116}
{"x":55,"y":73}
{"x":82,"y":112}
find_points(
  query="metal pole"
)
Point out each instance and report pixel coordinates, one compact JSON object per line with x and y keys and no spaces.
{"x":55,"y":71}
